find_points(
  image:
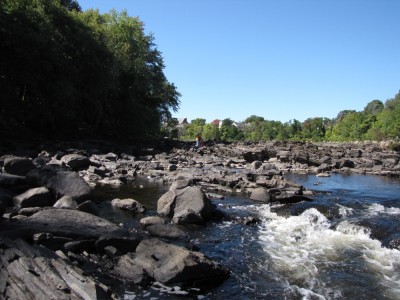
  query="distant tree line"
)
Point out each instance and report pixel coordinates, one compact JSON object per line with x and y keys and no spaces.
{"x":378,"y":121}
{"x":64,"y":71}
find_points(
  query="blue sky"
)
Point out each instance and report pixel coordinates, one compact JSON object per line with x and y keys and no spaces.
{"x":278,"y":59}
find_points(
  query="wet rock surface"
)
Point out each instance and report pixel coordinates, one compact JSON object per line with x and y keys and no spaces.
{"x":54,"y":245}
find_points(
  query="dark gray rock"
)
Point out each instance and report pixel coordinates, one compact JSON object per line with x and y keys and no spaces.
{"x":66,"y":202}
{"x":260,"y":194}
{"x":80,"y":246}
{"x":165,"y":205}
{"x":165,"y":231}
{"x":76,"y":162}
{"x":41,"y":160}
{"x":89,"y":207}
{"x":18,"y":165}
{"x":60,"y":182}
{"x":347,"y":164}
{"x":50,"y":241}
{"x":188,"y":205}
{"x":170,"y":264}
{"x":128,"y":204}
{"x":256,"y":164}
{"x":151,"y":220}
{"x":390,"y":163}
{"x":252,"y":156}
{"x":122,"y":240}
{"x":29,"y":211}
{"x":67,"y":223}
{"x":180,"y":184}
{"x":126,"y":269}
{"x":13,"y":183}
{"x":268,"y":169}
{"x":36,"y":197}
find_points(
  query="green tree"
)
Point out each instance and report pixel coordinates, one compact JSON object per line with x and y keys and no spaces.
{"x":229,"y":131}
{"x":387,"y":125}
{"x":211,"y":132}
{"x":194,"y":128}
{"x":314,"y":129}
{"x":374,"y":107}
{"x":295,"y":129}
{"x":253,"y":128}
{"x":65,"y":69}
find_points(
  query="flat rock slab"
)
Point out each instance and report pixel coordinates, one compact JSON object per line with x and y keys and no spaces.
{"x":66,"y":222}
{"x":31,"y":272}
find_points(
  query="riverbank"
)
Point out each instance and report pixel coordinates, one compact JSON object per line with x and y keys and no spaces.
{"x":39,"y":182}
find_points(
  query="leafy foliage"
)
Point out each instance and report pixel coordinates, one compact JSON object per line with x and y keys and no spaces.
{"x":61,"y":68}
{"x":376,"y":122}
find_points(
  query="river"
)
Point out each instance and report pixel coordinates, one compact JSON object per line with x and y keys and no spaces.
{"x":334,"y":247}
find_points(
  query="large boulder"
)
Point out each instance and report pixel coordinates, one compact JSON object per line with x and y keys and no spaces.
{"x":260,"y":194}
{"x":165,"y":205}
{"x":18,"y":165}
{"x":13,"y":183}
{"x":66,"y":202}
{"x":170,"y":264}
{"x":186,"y":205}
{"x":126,"y":269}
{"x":61,"y":182}
{"x":76,"y":161}
{"x":66,"y":222}
{"x":36,"y":197}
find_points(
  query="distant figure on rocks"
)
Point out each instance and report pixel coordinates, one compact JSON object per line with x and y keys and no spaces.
{"x":199,"y":141}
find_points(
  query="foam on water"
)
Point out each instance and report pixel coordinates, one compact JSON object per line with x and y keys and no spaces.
{"x":315,"y":259}
{"x":376,"y":209}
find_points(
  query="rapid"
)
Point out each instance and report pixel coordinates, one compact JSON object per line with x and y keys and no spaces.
{"x":337,"y":246}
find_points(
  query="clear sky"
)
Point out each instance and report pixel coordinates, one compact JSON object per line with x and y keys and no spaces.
{"x":278,"y":59}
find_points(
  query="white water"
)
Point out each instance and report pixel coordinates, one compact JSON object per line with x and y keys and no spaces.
{"x":317,"y":261}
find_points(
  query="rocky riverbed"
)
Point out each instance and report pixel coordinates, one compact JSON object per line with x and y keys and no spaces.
{"x":54,"y":245}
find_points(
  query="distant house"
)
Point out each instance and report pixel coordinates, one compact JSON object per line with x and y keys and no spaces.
{"x":217,"y":122}
{"x":238,"y":124}
{"x":182,"y":121}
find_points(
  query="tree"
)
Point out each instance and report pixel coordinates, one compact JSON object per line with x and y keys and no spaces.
{"x":387,"y":125}
{"x":194,"y":128}
{"x":61,"y":68}
{"x":211,"y":132}
{"x":295,"y":129}
{"x":229,"y":131}
{"x":374,"y":107}
{"x":253,"y":128}
{"x":314,"y":129}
